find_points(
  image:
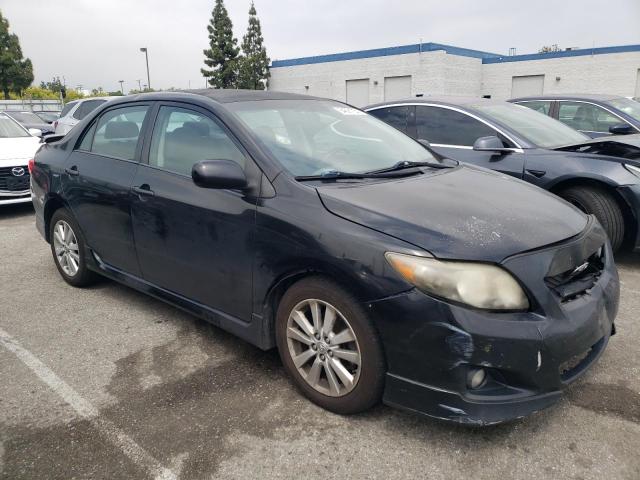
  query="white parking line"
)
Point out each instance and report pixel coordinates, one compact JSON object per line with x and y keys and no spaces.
{"x":85,"y":409}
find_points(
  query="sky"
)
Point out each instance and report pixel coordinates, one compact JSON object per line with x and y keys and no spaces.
{"x":97,"y":43}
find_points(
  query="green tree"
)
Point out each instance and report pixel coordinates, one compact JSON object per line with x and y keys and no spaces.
{"x":55,"y":85}
{"x":16,"y":72}
{"x":222,"y":55}
{"x":253,"y":72}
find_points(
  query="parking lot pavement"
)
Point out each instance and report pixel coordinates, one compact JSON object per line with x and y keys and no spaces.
{"x":109,"y":383}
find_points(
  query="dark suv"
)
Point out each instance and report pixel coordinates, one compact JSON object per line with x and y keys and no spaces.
{"x":377,"y":269}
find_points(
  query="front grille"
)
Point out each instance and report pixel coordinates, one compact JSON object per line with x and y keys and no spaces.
{"x":576,"y":281}
{"x":14,"y":183}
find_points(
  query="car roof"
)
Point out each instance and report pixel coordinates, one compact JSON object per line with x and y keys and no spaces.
{"x":441,"y":99}
{"x":570,"y":96}
{"x":218,"y":95}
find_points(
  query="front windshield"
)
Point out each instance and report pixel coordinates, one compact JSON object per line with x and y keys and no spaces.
{"x":26,"y":117}
{"x":312,"y":137}
{"x":630,"y":107}
{"x":10,"y":129}
{"x":537,"y":128}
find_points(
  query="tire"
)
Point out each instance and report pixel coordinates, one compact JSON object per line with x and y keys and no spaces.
{"x":313,"y":376}
{"x":63,"y":224}
{"x":603,"y":205}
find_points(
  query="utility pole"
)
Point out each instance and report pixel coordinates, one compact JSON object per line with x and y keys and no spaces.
{"x":146,"y":55}
{"x":121,"y":87}
{"x":139,"y":86}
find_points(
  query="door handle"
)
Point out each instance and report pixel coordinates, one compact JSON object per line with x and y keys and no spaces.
{"x":143,"y":189}
{"x":537,"y":173}
{"x":72,"y":170}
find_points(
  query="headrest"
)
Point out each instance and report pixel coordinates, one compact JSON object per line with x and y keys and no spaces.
{"x":121,"y":129}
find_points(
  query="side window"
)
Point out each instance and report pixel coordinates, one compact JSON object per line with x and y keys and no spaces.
{"x":542,"y":106}
{"x":117,"y":132}
{"x":86,"y":108}
{"x":395,"y":116}
{"x":449,"y":127}
{"x":183,"y":137}
{"x":586,"y":117}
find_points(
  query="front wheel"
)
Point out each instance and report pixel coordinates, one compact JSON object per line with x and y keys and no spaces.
{"x":603,"y":206}
{"x":329,"y":347}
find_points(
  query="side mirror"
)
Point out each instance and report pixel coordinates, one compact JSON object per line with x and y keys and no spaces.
{"x":621,"y":129}
{"x":490,"y":144}
{"x":220,"y":174}
{"x":36,"y":132}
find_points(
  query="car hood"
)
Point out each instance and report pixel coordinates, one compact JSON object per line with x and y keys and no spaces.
{"x":21,"y":148}
{"x":613,"y":148}
{"x":463,"y":213}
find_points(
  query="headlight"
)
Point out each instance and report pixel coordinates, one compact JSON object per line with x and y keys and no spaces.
{"x":475,"y":284}
{"x":633,"y":169}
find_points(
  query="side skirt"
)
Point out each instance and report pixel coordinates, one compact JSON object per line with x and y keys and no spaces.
{"x":252,"y":332}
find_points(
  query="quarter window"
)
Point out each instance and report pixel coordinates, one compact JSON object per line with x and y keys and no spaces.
{"x":587,"y":117}
{"x":449,"y":127}
{"x":395,"y":116}
{"x":182,"y":138}
{"x":118,"y":131}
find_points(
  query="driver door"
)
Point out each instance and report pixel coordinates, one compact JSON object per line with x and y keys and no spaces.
{"x":195,"y":242}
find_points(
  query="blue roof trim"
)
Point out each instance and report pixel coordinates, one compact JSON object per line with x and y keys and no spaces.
{"x":563,"y":53}
{"x":384,"y":52}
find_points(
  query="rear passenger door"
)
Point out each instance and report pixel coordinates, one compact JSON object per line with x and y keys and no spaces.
{"x":398,"y":116}
{"x":97,"y":183}
{"x":195,"y":242}
{"x":452,"y":134}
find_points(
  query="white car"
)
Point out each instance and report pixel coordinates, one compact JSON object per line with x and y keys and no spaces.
{"x":17,"y":147}
{"x":75,"y":111}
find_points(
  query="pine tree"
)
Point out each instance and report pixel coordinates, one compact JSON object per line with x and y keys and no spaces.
{"x":254,"y":64}
{"x":222,"y":56}
{"x":16,"y":72}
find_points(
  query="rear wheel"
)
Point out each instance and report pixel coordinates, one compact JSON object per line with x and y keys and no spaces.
{"x":69,"y":249}
{"x":329,"y":347}
{"x":603,"y":205}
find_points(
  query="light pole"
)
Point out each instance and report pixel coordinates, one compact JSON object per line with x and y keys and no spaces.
{"x":146,"y":55}
{"x":139,"y":86}
{"x":121,"y":87}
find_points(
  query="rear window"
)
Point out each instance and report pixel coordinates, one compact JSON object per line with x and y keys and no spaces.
{"x":67,"y":108}
{"x":86,"y":108}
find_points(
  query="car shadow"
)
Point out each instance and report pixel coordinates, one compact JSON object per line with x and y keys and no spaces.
{"x":16,"y":211}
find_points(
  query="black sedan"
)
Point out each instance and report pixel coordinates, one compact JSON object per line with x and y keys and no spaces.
{"x":594,"y":115}
{"x":378,"y":270}
{"x":31,"y":120}
{"x":524,"y":144}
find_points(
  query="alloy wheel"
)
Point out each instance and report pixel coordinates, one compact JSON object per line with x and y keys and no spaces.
{"x":66,"y":248}
{"x":323,"y":347}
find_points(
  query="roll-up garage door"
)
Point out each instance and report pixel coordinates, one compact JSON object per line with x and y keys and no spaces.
{"x":527,"y":85}
{"x":396,"y":88}
{"x":358,"y":92}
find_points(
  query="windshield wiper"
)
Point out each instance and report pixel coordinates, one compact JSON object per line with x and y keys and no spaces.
{"x":338,"y":175}
{"x":406,"y":164}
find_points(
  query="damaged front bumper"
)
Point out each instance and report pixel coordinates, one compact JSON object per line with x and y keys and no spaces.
{"x":528,"y":357}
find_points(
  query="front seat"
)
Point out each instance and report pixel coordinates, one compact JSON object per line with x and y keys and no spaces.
{"x":584,"y":119}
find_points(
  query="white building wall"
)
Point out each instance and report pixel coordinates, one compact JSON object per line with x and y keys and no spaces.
{"x":435,"y":73}
{"x":612,"y":73}
{"x":439,"y":73}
